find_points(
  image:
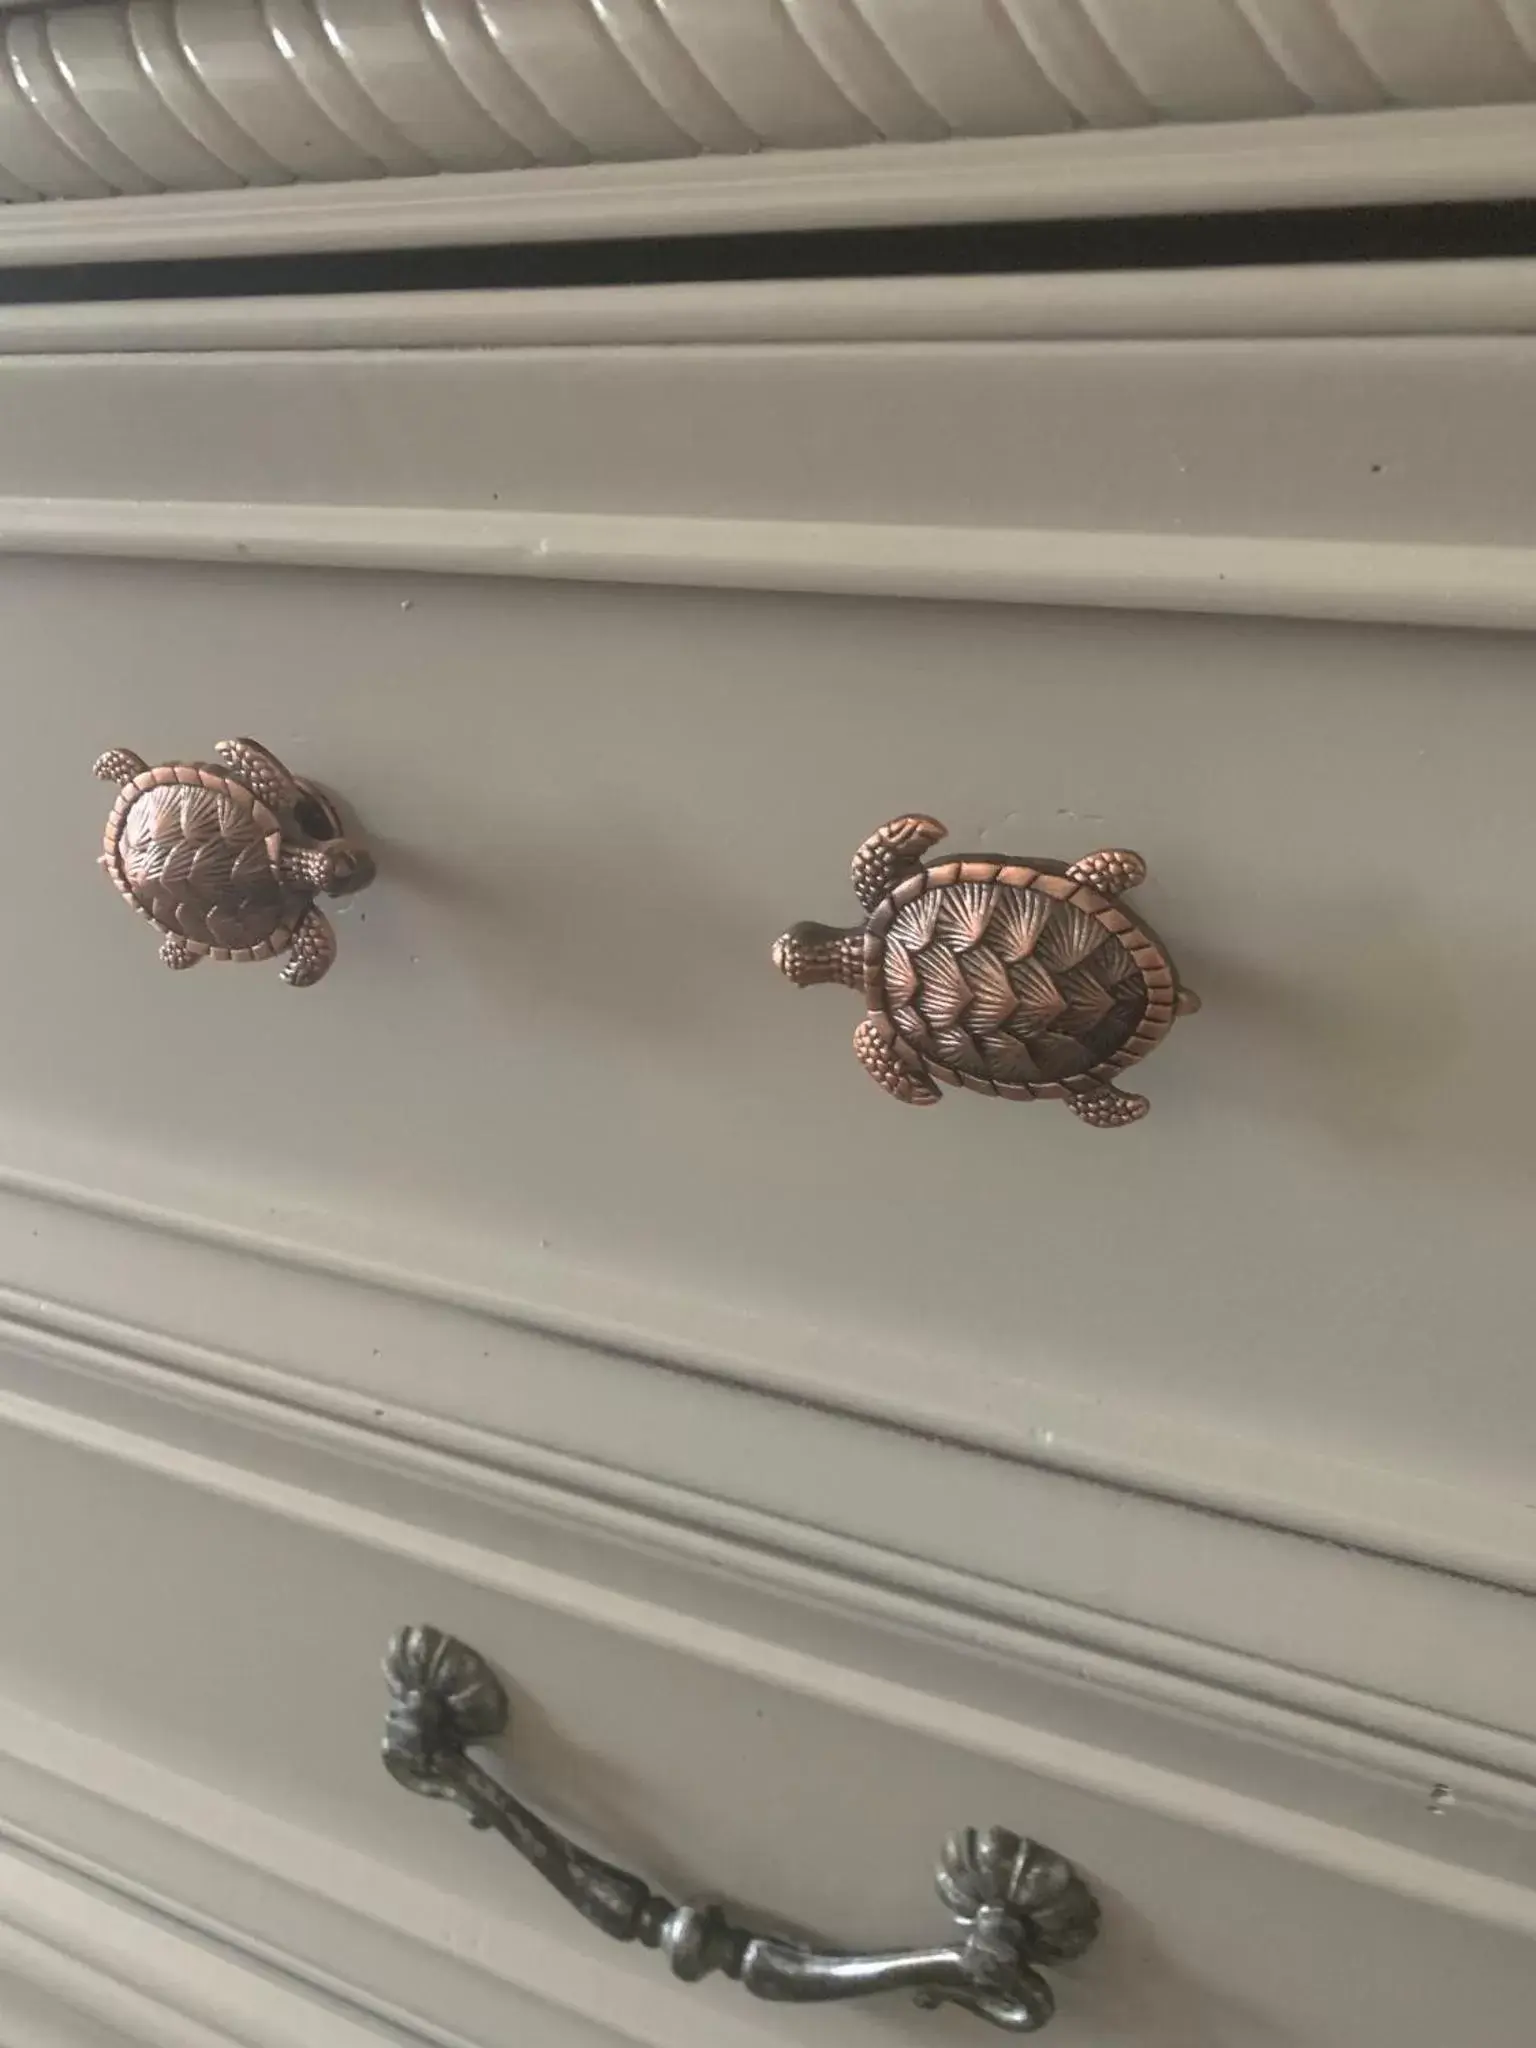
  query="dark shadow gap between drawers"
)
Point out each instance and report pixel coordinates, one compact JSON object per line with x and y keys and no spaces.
{"x":1338,"y":235}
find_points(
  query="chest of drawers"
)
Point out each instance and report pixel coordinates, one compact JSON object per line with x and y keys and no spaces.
{"x":821,"y":1476}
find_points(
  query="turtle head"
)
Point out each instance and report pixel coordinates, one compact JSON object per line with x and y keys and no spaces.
{"x":338,"y":868}
{"x":351,"y":866}
{"x":809,"y":953}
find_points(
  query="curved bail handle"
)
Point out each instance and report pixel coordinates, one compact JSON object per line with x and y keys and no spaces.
{"x":1016,"y":1904}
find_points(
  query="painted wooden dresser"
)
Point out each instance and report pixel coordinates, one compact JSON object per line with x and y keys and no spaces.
{"x":819,"y":1476}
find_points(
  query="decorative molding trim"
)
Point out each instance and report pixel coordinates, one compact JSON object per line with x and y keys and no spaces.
{"x":83,"y":1803}
{"x":1343,"y":1826}
{"x":105,"y":1945}
{"x":1430,"y":535}
{"x":686,"y":1566}
{"x":128,"y":99}
{"x":1464,"y":1535}
{"x":133,"y":99}
{"x":1401,"y":505}
{"x":859,"y":1580}
{"x":1395,"y":583}
{"x":1492,"y":297}
{"x":1472,"y":153}
{"x":90,"y":1955}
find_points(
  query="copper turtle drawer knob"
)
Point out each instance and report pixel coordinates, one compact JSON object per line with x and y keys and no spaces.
{"x":1020,"y":978}
{"x":227,"y":861}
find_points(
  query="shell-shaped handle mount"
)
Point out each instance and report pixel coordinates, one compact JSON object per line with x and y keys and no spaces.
{"x":226,"y":858}
{"x":1015,"y":1905}
{"x":1024,"y":978}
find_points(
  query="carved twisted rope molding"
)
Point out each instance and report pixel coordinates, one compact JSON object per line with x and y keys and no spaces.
{"x":135,"y":96}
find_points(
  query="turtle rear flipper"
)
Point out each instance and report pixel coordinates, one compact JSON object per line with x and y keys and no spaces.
{"x":875,"y":1043}
{"x":1107,"y":1108}
{"x":179,"y":953}
{"x":312,"y":951}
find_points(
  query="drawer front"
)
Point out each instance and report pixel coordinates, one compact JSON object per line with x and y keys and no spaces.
{"x":555,"y":1044}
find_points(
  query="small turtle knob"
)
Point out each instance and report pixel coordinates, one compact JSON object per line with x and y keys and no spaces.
{"x":226,"y":860}
{"x":1022,"y":978}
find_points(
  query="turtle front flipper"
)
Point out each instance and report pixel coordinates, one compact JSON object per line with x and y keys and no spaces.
{"x":261,"y":772}
{"x":1107,"y":1108}
{"x":892,"y":854}
{"x":1112,"y":870}
{"x":879,"y":1054}
{"x":118,"y":764}
{"x":312,"y":950}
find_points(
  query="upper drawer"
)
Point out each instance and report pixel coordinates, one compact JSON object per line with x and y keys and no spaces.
{"x":555,"y":1029}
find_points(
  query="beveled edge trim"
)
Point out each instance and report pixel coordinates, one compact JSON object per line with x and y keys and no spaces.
{"x":1144,"y":1661}
{"x":1169,"y":1791}
{"x":100,"y":1946}
{"x":185,"y":1917}
{"x":1335,"y":1508}
{"x":1422,"y":583}
{"x":1396,"y":156}
{"x":1478,"y":296}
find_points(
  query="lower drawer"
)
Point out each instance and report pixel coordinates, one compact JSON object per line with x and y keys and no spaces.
{"x":205,"y":1731}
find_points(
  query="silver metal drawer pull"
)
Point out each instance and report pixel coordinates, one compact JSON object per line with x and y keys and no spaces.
{"x":226,"y":858}
{"x":1016,"y":1905}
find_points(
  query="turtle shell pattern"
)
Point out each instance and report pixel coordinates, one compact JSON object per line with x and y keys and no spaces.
{"x":1015,"y":981}
{"x":199,"y":855}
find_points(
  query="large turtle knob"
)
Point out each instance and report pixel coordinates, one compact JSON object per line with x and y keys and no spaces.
{"x":226,"y":861}
{"x":1020,"y":978}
